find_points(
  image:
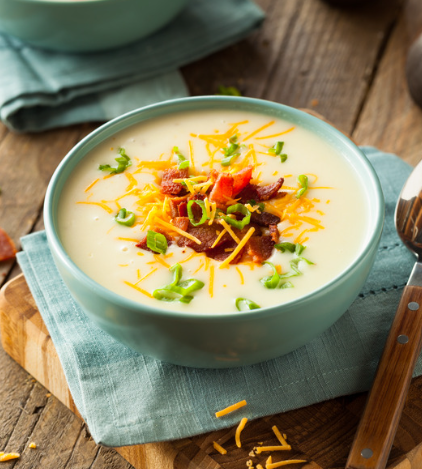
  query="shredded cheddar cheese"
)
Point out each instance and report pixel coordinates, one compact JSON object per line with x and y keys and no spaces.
{"x":158,"y":259}
{"x":177,"y":230}
{"x":141,"y":290}
{"x":231,"y":408}
{"x":189,"y":186}
{"x":242,"y":280}
{"x":145,"y":276}
{"x":193,"y":254}
{"x":132,"y":182}
{"x":276,"y":135}
{"x":219,"y":448}
{"x":149,"y":218}
{"x":238,"y":248}
{"x":32,"y":445}
{"x":201,"y":265}
{"x":252,"y":134}
{"x":218,"y":238}
{"x":207,"y":207}
{"x":261,"y":449}
{"x":229,"y":230}
{"x":239,"y":430}
{"x":132,"y":240}
{"x":213,"y":212}
{"x":9,"y":456}
{"x":285,"y":463}
{"x":100,"y":204}
{"x":279,"y":436}
{"x":211,"y":285}
{"x":92,"y":185}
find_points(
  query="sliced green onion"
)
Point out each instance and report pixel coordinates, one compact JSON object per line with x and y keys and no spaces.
{"x":240,"y":224}
{"x":299,"y":249}
{"x":183,"y":163}
{"x":228,"y":91}
{"x":253,"y":203}
{"x":177,"y":273}
{"x":157,"y":242}
{"x":271,"y":281}
{"x":286,"y":285}
{"x":276,"y":148}
{"x":189,"y":286}
{"x":243,"y":304}
{"x":177,"y":290}
{"x":228,"y":160}
{"x":283,"y":157}
{"x":204,"y":216}
{"x":294,"y":265}
{"x":283,"y":247}
{"x":298,"y":259}
{"x":165,"y":294}
{"x":303,"y":181}
{"x":233,"y":139}
{"x":123,"y":162}
{"x":231,"y":149}
{"x":124,"y":217}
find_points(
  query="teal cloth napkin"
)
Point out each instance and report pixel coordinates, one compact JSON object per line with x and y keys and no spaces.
{"x":42,"y":89}
{"x":127,"y":398}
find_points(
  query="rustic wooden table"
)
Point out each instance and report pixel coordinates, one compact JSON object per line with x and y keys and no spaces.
{"x":347,"y":64}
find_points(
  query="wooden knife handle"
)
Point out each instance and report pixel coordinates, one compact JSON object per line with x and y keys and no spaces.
{"x":378,"y":425}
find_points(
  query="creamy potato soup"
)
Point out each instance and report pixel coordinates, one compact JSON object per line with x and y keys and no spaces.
{"x":213,"y":211}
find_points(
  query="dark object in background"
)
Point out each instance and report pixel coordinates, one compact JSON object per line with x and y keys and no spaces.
{"x":414,"y":70}
{"x":348,"y":3}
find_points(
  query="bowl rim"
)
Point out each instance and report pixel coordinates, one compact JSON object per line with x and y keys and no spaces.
{"x":138,"y":307}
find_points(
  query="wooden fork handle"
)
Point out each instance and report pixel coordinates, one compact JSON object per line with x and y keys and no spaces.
{"x":377,"y":428}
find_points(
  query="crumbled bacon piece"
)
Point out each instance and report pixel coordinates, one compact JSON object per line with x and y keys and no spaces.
{"x":167,"y":184}
{"x":7,"y":247}
{"x":225,"y":187}
{"x":222,"y":190}
{"x":206,"y":234}
{"x":275,"y":235}
{"x":143,"y":241}
{"x":248,"y":193}
{"x":181,"y":223}
{"x":269,"y":191}
{"x":175,"y":203}
{"x":219,"y":253}
{"x":228,"y":185}
{"x":241,"y":179}
{"x":260,"y":248}
{"x":260,"y":193}
{"x":183,"y":209}
{"x":264,"y":218}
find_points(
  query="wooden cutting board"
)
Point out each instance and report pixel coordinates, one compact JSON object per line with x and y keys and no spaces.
{"x":321,"y":434}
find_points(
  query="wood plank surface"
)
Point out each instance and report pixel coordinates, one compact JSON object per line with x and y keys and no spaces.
{"x":390,"y":119}
{"x":347,"y":64}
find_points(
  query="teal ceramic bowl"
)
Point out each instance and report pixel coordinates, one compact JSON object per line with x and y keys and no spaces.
{"x":225,"y":339}
{"x":85,"y":25}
